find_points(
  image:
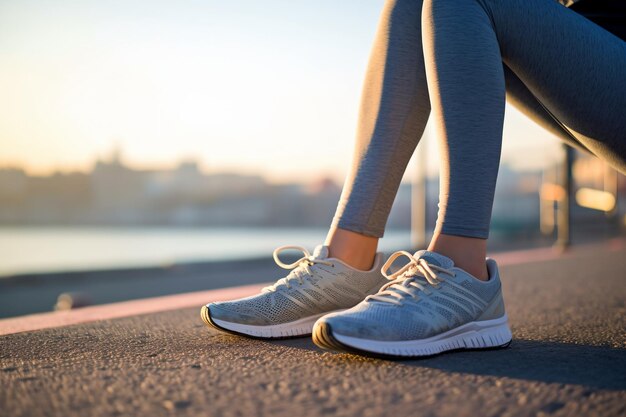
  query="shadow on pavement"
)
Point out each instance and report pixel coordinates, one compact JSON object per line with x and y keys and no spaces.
{"x":550,"y":362}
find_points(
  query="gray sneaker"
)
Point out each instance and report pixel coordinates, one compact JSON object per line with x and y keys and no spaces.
{"x":317,"y":285}
{"x":429,"y":307}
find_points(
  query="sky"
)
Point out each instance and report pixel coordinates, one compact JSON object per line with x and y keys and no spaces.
{"x":262,"y":87}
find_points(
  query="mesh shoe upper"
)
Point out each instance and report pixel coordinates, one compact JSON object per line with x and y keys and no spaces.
{"x":412,"y":308}
{"x":316,"y":284}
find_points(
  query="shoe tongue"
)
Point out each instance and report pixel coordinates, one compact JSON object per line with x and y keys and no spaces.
{"x":432,"y":258}
{"x":435,"y":258}
{"x":320,"y":252}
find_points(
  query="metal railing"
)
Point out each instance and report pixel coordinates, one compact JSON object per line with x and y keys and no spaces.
{"x":557,"y":194}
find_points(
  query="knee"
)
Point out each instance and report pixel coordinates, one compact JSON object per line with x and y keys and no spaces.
{"x":436,"y":13}
{"x":442,"y":11}
{"x":403,"y":11}
{"x":449,"y":18}
{"x":434,"y":7}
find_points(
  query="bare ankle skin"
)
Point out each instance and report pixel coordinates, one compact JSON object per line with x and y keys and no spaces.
{"x":467,"y":253}
{"x":354,"y":249}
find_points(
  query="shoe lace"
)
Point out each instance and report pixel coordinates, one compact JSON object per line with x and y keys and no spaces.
{"x":417,"y":275}
{"x":301,"y":269}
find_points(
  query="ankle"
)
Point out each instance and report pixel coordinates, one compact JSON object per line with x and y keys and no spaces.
{"x":467,"y":253}
{"x":354,"y":249}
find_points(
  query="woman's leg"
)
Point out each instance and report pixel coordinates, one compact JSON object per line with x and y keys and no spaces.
{"x":394,"y":110}
{"x":573,"y":67}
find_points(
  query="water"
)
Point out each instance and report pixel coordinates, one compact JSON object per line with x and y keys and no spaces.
{"x":54,"y":249}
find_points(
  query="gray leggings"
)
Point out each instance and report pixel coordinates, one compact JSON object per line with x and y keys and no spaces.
{"x":460,"y":58}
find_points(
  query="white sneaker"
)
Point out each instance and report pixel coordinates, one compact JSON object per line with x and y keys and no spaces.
{"x":429,"y":306}
{"x":317,"y":285}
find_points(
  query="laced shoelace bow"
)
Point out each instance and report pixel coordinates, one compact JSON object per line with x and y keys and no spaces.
{"x":300,"y":268}
{"x":406,"y":278}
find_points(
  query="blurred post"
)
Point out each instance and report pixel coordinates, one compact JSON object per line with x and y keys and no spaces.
{"x":418,"y":198}
{"x":611,"y":187}
{"x":564,"y":219}
{"x":547,"y":200}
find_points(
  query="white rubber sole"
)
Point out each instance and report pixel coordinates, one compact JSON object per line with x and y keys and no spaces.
{"x":300,"y":327}
{"x":474,"y":335}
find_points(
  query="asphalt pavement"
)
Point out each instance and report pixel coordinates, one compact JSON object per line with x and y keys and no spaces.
{"x":568,"y":358}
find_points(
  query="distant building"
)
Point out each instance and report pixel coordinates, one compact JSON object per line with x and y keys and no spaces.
{"x":116,"y":186}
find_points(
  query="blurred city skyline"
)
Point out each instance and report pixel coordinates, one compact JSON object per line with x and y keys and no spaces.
{"x":268,"y":88}
{"x":114,"y":193}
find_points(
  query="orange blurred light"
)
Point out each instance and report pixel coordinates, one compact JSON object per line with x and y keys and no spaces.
{"x":595,"y":199}
{"x":552,"y":192}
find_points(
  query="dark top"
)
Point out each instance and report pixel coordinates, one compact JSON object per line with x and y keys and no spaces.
{"x":609,"y":14}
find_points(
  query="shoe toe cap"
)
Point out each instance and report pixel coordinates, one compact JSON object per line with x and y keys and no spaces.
{"x":225,"y":311}
{"x":359,"y":327}
{"x":387,"y":323}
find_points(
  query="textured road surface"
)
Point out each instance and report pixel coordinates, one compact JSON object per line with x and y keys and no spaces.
{"x":568,"y":357}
